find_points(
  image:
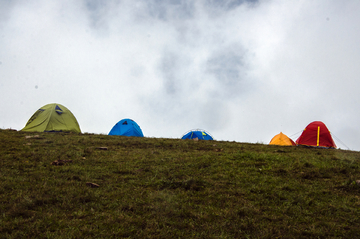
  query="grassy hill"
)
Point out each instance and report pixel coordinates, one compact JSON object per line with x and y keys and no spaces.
{"x":58,"y":185}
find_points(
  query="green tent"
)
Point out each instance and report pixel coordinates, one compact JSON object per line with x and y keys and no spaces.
{"x":52,"y":118}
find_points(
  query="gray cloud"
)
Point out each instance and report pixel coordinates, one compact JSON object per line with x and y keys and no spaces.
{"x":229,"y":68}
{"x":170,"y":66}
{"x":242,"y":70}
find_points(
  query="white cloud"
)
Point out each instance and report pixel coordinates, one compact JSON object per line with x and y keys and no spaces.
{"x":242,"y":70}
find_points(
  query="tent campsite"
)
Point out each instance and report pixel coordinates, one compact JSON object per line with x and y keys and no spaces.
{"x":282,"y":139}
{"x":126,"y":127}
{"x":52,"y":118}
{"x":200,"y":134}
{"x":316,"y":134}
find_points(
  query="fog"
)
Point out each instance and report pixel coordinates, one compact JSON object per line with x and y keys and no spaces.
{"x":241,"y":70}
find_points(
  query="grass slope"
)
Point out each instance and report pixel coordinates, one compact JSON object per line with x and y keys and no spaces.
{"x":171,"y":188}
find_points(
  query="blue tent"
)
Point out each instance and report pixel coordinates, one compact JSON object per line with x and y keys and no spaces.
{"x":126,"y":127}
{"x":200,"y":134}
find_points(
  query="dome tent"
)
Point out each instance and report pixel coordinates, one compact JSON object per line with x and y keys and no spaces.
{"x":282,"y":139}
{"x":52,"y":118}
{"x":126,"y":127}
{"x":198,"y":133}
{"x":316,"y":134}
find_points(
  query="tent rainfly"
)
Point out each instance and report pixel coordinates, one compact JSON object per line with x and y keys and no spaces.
{"x":316,"y":134}
{"x":282,"y":139}
{"x":52,"y":118}
{"x":126,"y":127}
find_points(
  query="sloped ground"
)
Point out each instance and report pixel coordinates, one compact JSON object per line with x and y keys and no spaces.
{"x":58,"y":185}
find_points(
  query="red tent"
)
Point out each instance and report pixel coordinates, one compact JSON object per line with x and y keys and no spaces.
{"x":316,"y":134}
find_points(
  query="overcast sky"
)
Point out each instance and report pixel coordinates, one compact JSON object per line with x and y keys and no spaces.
{"x":241,"y":70}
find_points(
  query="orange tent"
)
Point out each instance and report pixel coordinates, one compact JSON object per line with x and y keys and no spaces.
{"x":282,"y":139}
{"x":316,"y":134}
